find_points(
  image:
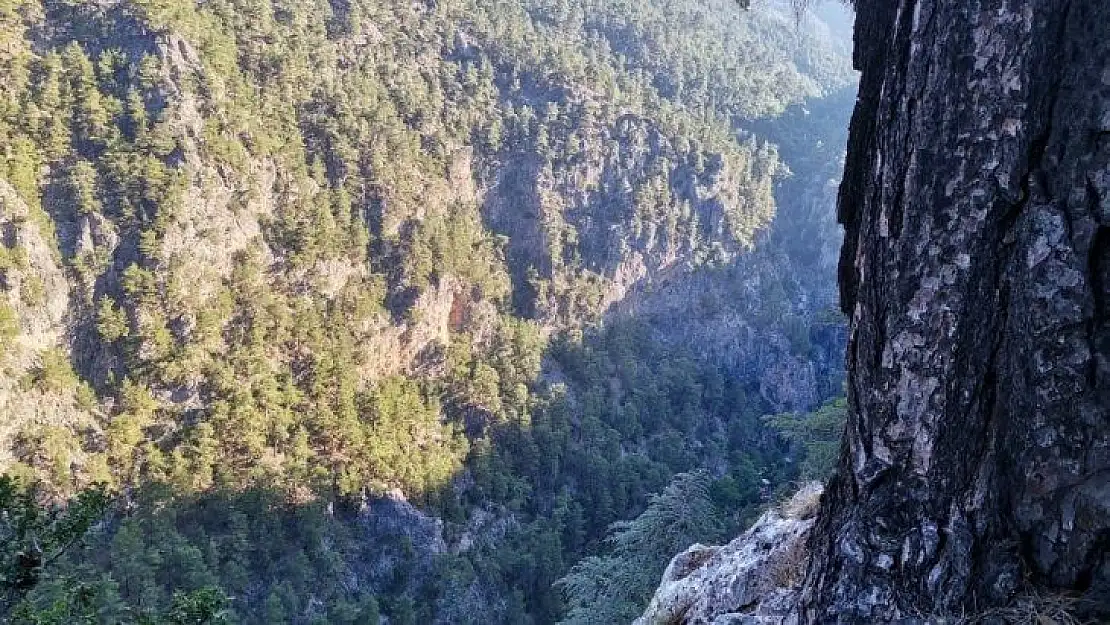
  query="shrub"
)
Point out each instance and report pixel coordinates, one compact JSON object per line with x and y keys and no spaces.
{"x":54,"y":373}
{"x":9,"y":326}
{"x":111,"y":321}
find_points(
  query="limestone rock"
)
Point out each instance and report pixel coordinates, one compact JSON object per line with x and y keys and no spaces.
{"x":752,"y":580}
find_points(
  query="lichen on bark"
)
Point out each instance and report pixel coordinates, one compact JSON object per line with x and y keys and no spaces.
{"x":976,"y":204}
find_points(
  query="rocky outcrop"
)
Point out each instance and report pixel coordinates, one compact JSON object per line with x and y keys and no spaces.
{"x":634,"y":208}
{"x":753,"y":580}
{"x":34,"y":289}
{"x":756,"y":321}
{"x":769,"y":315}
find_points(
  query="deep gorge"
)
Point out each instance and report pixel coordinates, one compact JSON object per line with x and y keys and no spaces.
{"x":386,"y":312}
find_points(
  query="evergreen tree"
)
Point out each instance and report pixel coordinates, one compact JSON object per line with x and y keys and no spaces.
{"x":614,"y":587}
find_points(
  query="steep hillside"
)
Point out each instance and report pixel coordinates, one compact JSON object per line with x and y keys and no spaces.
{"x":309,"y":260}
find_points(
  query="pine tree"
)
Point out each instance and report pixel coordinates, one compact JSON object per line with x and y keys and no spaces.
{"x":614,"y":587}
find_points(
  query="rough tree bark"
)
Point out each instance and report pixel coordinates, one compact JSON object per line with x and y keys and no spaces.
{"x":976,"y":273}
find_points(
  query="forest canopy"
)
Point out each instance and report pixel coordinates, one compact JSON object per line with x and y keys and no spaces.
{"x":286,"y":276}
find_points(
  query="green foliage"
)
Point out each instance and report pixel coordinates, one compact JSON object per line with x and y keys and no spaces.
{"x":111,"y":322}
{"x":817,"y":434}
{"x":82,"y":187}
{"x":163,"y":563}
{"x":407,"y":445}
{"x":615,"y":587}
{"x":54,"y":374}
{"x":77,"y":602}
{"x":497,"y":159}
{"x":32,"y":291}
{"x":12,"y":258}
{"x":33,"y":535}
{"x":9,"y":326}
{"x":204,"y":606}
{"x":50,"y":449}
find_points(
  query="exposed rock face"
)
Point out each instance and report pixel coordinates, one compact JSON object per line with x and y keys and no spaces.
{"x":740,"y":318}
{"x":393,"y":517}
{"x":976,"y":270}
{"x":752,"y":580}
{"x":767,"y":316}
{"x":33,"y":287}
{"x":589,"y":215}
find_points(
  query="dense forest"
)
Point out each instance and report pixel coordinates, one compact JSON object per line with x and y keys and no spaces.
{"x":361,"y":311}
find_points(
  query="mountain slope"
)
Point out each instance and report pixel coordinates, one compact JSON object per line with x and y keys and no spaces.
{"x":268,"y":257}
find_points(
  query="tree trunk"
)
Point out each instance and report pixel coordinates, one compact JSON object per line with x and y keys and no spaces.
{"x":976,"y":272}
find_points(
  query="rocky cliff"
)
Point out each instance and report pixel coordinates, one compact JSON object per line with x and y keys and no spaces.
{"x":161,"y":159}
{"x":753,"y":580}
